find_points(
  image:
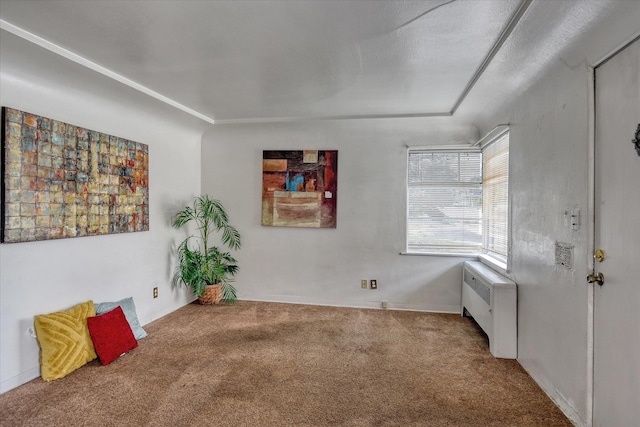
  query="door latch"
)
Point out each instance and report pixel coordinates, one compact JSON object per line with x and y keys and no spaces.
{"x":596,"y":278}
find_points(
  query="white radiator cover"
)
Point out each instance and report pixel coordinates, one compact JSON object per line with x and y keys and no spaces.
{"x":492,"y":300}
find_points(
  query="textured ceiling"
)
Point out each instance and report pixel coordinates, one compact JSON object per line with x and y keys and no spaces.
{"x":243,"y":61}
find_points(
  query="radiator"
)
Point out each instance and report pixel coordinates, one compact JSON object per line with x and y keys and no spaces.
{"x":491,"y":300}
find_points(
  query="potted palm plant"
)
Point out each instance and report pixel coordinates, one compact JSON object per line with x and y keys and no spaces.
{"x":206,"y":269}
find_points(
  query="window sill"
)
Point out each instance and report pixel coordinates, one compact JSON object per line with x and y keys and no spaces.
{"x":494,"y":264}
{"x":444,"y":254}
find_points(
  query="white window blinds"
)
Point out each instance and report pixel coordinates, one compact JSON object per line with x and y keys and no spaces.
{"x":495,"y":190}
{"x":444,"y":201}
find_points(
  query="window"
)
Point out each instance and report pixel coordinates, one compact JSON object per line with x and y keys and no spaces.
{"x":495,"y":196}
{"x":444,"y":201}
{"x":457,"y":200}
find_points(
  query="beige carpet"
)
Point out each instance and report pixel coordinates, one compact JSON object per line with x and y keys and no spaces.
{"x":267,"y":364}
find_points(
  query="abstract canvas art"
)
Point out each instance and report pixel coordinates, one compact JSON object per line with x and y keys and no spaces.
{"x":61,"y":180}
{"x":300,"y":188}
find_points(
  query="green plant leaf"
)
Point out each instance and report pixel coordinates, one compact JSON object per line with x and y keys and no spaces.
{"x":229,"y":294}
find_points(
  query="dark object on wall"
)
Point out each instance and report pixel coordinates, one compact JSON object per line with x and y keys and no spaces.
{"x":299,"y":188}
{"x":61,"y":180}
{"x":636,"y":141}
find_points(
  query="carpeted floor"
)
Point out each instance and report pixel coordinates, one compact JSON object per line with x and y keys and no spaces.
{"x":267,"y":364}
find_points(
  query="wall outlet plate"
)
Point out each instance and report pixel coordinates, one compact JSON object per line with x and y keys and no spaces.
{"x":155,"y":292}
{"x":575,"y":219}
{"x":363,"y":284}
{"x":374,"y":284}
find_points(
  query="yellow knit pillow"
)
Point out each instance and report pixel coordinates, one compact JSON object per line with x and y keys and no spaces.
{"x":65,"y":342}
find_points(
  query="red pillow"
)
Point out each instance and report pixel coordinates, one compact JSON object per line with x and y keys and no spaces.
{"x":111,"y":335}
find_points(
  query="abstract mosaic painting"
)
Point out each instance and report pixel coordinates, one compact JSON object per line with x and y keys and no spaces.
{"x":299,"y":188}
{"x":62,"y":180}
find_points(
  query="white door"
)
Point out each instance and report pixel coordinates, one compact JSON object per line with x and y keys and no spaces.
{"x":617,"y":232}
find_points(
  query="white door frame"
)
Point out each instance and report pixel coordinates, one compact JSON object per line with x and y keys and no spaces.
{"x":591,"y":242}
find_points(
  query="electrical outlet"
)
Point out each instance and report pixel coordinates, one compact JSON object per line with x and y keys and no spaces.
{"x":155,"y":292}
{"x":363,"y":284}
{"x":374,"y":284}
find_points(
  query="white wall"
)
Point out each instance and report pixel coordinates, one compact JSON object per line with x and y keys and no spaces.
{"x":325,"y":266}
{"x":549,"y":174}
{"x":41,"y":277}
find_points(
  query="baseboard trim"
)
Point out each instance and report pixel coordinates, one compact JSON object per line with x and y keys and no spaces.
{"x":165,"y":311}
{"x":565,"y":406}
{"x":20,"y":379}
{"x":329,"y":302}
